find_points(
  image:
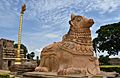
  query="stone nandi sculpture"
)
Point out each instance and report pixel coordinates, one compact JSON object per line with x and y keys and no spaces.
{"x":74,"y":54}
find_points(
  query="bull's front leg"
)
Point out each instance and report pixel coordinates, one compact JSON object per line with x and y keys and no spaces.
{"x":42,"y":67}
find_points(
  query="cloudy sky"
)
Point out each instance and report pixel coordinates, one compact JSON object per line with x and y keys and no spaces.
{"x":46,"y":21}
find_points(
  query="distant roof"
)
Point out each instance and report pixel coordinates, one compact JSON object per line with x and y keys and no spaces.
{"x":6,"y":40}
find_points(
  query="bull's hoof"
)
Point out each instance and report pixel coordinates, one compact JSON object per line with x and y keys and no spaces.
{"x":41,"y":69}
{"x":61,"y":71}
{"x":72,"y":70}
{"x":67,"y":71}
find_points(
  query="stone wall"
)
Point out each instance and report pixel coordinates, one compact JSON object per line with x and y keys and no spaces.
{"x":114,"y":61}
{"x":10,"y":44}
{"x":11,"y":61}
{"x":5,"y":63}
{"x":6,"y":66}
{"x":6,"y":43}
{"x":8,"y":53}
{"x":11,"y":53}
{"x":0,"y":57}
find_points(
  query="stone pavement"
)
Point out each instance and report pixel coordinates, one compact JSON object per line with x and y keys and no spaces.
{"x":49,"y":75}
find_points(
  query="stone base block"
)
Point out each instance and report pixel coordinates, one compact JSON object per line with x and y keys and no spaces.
{"x":49,"y":75}
{"x":54,"y":75}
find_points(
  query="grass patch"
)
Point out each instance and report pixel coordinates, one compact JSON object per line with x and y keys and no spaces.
{"x":110,"y":68}
{"x":4,"y":75}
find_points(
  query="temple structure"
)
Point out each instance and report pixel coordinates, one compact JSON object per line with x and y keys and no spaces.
{"x":8,"y":54}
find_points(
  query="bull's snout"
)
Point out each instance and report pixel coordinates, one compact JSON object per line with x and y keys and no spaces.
{"x":91,"y":20}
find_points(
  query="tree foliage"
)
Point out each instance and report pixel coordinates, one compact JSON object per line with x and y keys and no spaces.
{"x":37,"y":60}
{"x":108,"y":39}
{"x":104,"y":60}
{"x":22,"y":47}
{"x":30,"y":55}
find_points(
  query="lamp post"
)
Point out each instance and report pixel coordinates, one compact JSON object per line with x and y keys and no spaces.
{"x":18,"y":59}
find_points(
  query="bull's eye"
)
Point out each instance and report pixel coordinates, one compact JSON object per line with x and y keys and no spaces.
{"x":79,"y":19}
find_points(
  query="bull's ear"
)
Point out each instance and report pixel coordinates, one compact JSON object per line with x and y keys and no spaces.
{"x":71,"y":23}
{"x":72,"y":16}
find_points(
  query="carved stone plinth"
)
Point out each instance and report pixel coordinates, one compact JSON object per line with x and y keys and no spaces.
{"x":22,"y":68}
{"x":54,"y":75}
{"x":49,"y":75}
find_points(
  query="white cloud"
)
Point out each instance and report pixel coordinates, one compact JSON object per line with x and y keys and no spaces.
{"x":116,"y":56}
{"x":38,"y":40}
{"x":52,"y":35}
{"x":37,"y":52}
{"x":8,"y":21}
{"x":118,"y":18}
{"x":105,"y":53}
{"x":50,"y":17}
{"x":107,"y":5}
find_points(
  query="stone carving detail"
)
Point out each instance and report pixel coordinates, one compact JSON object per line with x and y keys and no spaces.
{"x":74,"y":54}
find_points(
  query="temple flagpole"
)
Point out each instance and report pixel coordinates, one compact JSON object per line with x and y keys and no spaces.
{"x":18,"y":58}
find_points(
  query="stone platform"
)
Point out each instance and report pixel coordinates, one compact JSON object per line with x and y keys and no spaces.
{"x":49,"y":75}
{"x":54,"y":75}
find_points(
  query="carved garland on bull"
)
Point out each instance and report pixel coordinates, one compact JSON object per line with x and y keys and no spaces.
{"x":78,"y":39}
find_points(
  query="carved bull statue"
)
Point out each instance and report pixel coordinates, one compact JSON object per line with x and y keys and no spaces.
{"x":74,"y":54}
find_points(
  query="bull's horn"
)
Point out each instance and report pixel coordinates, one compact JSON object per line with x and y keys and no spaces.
{"x":72,"y":16}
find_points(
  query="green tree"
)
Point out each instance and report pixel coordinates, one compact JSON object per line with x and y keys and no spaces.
{"x":104,"y":60}
{"x":37,"y":60}
{"x":28,"y":56}
{"x":22,"y":47}
{"x":108,"y":39}
{"x":32,"y":54}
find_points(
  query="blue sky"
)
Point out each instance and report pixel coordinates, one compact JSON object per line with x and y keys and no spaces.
{"x":46,"y":21}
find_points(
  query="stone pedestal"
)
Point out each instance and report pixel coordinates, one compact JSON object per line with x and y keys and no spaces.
{"x":54,"y":75}
{"x":22,"y":68}
{"x":49,"y":75}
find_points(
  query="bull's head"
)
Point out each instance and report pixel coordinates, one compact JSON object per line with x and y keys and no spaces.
{"x":80,"y":23}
